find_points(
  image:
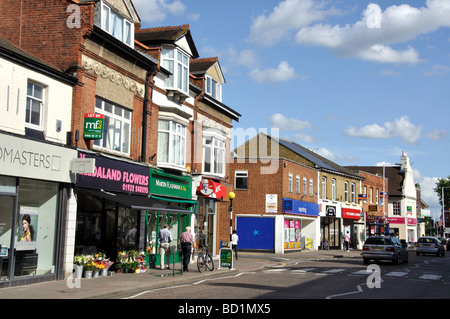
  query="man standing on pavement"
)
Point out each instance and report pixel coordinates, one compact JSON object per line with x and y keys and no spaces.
{"x":165,"y":238}
{"x":186,"y":241}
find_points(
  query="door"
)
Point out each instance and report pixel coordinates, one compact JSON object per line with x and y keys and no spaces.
{"x":7,"y":204}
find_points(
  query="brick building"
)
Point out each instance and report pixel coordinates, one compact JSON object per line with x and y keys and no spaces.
{"x":142,"y":167}
{"x":276,"y":206}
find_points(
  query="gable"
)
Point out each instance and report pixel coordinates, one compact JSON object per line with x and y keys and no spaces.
{"x":125,"y":7}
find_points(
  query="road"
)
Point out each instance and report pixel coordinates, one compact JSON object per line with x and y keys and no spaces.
{"x":327,"y":278}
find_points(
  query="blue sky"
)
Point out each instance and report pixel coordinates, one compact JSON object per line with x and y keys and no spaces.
{"x":356,"y":81}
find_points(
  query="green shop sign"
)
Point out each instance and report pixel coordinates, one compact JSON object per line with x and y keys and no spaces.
{"x":165,"y":184}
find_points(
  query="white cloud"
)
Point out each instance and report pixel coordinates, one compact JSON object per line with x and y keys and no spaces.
{"x":287,"y":124}
{"x":428,"y":195}
{"x":437,"y":135}
{"x":401,"y":128}
{"x":155,"y":11}
{"x":372,"y":38}
{"x":287,"y":16}
{"x":283,"y":72}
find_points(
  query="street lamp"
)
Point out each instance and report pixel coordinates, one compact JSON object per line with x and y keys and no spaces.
{"x":443,"y":207}
{"x":231,"y":196}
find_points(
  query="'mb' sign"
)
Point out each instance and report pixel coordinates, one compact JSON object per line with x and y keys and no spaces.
{"x":93,"y":126}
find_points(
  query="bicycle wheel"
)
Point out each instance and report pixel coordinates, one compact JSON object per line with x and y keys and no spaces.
{"x":209,"y":263}
{"x":200,"y":263}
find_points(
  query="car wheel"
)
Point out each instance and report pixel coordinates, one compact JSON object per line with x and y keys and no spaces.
{"x":397,"y":260}
{"x":406,"y":259}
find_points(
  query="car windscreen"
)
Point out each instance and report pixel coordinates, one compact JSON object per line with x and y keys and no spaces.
{"x":378,"y":241}
{"x":426,"y":240}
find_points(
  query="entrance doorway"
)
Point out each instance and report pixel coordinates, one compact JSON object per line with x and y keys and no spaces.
{"x":330,"y":232}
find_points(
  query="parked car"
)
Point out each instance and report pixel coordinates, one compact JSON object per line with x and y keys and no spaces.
{"x":430,"y":245}
{"x":385,"y":248}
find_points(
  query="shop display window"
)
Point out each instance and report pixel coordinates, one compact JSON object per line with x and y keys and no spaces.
{"x":28,"y":219}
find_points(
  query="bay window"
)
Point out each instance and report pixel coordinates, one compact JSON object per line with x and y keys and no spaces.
{"x":171,"y":143}
{"x":116,"y":127}
{"x":213,"y":155}
{"x":177,"y":62}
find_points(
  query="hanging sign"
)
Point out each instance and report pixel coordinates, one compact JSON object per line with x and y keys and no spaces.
{"x":93,"y":126}
{"x":211,"y":189}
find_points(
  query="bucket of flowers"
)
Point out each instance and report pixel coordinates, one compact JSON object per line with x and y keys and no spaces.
{"x":89,"y":267}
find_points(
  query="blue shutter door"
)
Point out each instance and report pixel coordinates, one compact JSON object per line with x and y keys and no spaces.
{"x":256,"y":233}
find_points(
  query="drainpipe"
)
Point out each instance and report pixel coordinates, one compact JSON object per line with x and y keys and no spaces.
{"x":144,"y":115}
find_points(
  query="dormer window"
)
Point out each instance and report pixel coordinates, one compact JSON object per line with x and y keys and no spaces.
{"x":177,"y":62}
{"x":116,"y":25}
{"x":213,"y":88}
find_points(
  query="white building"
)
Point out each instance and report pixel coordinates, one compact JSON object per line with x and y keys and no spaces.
{"x":36,"y":104}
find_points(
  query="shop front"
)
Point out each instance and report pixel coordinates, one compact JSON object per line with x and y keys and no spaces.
{"x":330,"y":226}
{"x":300,"y":224}
{"x":117,"y":212}
{"x":209,"y":193}
{"x":404,"y":228}
{"x":34,"y":183}
{"x":174,"y":191}
{"x":351,"y":219}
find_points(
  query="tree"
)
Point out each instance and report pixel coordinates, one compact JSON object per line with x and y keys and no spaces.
{"x":443,"y":183}
{"x":443,"y":188}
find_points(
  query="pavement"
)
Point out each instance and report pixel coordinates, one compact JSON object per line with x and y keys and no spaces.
{"x":117,"y":286}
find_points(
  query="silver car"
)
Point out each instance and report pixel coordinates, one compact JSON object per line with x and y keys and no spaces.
{"x":430,"y":245}
{"x":385,"y":248}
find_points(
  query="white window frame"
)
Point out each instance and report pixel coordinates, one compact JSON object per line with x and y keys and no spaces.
{"x":311,"y":187}
{"x":353,"y":193}
{"x":397,"y":208}
{"x":297,"y":184}
{"x":176,"y":61}
{"x":324,"y":188}
{"x":346,"y":192}
{"x":33,"y":99}
{"x":216,"y":155}
{"x":333,"y":189}
{"x":107,"y":21}
{"x":291,"y":183}
{"x":175,"y":154}
{"x":213,"y":88}
{"x":240,"y":175}
{"x":305,"y":185}
{"x":118,"y":140}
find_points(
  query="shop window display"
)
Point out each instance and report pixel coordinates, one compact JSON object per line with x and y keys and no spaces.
{"x":34,"y":230}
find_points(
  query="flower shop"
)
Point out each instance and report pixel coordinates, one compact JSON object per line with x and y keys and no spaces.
{"x":125,"y":226}
{"x":93,"y":266}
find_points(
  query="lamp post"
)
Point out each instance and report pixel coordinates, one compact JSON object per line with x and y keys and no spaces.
{"x":443,"y":208}
{"x":231,"y":196}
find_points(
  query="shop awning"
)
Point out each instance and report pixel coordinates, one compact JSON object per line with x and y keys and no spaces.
{"x":137,"y":202}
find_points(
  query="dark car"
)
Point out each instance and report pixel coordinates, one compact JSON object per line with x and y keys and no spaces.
{"x":385,"y":248}
{"x":430,"y":245}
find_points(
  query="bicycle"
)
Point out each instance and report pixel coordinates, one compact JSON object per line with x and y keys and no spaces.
{"x":204,"y":259}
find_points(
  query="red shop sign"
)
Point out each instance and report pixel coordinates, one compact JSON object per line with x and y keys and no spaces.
{"x":351,"y":213}
{"x":211,"y":189}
